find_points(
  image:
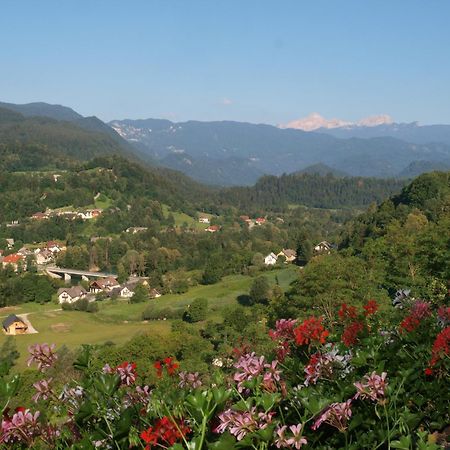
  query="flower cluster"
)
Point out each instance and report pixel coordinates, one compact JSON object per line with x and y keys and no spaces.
{"x":351,"y":333}
{"x":126,"y":371}
{"x":165,"y":433}
{"x":373,"y":387}
{"x":324,"y":366}
{"x":168,"y":364}
{"x":284,"y":335}
{"x":311,"y":331}
{"x":240,"y":423}
{"x":43,"y":355}
{"x":419,"y":311}
{"x":347,"y":312}
{"x":43,"y":390}
{"x":295,"y":440}
{"x":251,"y":366}
{"x":23,"y":426}
{"x":443,"y":316}
{"x":370,"y":308}
{"x":441,"y":347}
{"x":189,"y":380}
{"x":336,"y":415}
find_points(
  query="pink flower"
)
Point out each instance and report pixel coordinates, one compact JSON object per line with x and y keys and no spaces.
{"x":336,"y":415}
{"x":22,"y":428}
{"x":189,"y":380}
{"x":127,"y":373}
{"x":372,"y":386}
{"x":42,"y":354}
{"x":44,"y":390}
{"x":294,"y":441}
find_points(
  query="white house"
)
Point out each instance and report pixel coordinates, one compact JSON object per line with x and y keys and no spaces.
{"x":43,"y":256}
{"x":204,"y":219}
{"x":71,"y":295}
{"x":134,"y":230}
{"x":270,"y":259}
{"x":289,"y":255}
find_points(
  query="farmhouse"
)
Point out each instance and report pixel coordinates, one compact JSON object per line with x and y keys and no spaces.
{"x":204,"y":219}
{"x":154,"y":293}
{"x":71,"y":295}
{"x":260,"y":221}
{"x":54,"y":247}
{"x":270,"y":259}
{"x":13,"y":325}
{"x":43,"y":256}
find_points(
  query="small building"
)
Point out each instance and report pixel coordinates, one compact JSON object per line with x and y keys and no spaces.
{"x":14,"y":325}
{"x":271,"y":259}
{"x":204,"y":219}
{"x":12,"y":260}
{"x":24,"y":252}
{"x":72,"y":294}
{"x":212,"y":228}
{"x":244,"y":218}
{"x":10,"y":243}
{"x":103,"y":285}
{"x":323,"y":247}
{"x":289,"y":254}
{"x":260,"y":221}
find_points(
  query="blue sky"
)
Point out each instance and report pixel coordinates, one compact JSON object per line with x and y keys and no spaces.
{"x":247,"y":60}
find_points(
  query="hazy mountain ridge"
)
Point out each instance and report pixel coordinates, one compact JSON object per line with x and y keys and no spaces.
{"x":272,"y":150}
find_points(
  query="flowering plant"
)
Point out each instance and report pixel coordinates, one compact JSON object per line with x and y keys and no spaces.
{"x":357,"y":382}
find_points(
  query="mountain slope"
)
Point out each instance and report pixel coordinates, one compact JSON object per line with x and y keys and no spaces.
{"x":57,"y":112}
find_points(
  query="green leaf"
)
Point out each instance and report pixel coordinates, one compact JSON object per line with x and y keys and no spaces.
{"x":226,"y":442}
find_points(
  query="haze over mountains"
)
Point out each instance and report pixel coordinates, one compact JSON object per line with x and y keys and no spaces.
{"x":236,"y":153}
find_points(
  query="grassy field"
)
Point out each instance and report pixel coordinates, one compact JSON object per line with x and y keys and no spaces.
{"x":182,"y":218}
{"x":118,"y":321}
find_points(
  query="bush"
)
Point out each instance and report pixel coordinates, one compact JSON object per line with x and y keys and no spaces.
{"x":196,"y":311}
{"x":152,"y":313}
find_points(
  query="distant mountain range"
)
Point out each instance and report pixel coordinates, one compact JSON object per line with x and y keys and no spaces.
{"x":235,"y":153}
{"x":230,"y":153}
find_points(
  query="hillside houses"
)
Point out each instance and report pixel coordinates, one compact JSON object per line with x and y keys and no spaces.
{"x":271,"y":259}
{"x":323,"y":247}
{"x":212,"y":229}
{"x":289,"y":255}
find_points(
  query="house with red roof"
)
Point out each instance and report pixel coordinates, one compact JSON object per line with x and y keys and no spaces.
{"x":12,"y":260}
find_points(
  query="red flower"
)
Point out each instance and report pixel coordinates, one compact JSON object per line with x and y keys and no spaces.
{"x":311,"y":331}
{"x":441,"y":346}
{"x":370,"y":308}
{"x":164,"y":433}
{"x":419,"y":311}
{"x":347,"y":312}
{"x":350,"y":334}
{"x":409,"y":324}
{"x":168,"y":363}
{"x":428,"y":372}
{"x":158,"y":366}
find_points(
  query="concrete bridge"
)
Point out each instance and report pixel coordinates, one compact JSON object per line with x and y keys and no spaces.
{"x":67,"y":274}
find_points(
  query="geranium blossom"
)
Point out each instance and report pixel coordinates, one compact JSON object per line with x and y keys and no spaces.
{"x":351,"y":333}
{"x":373,"y":387}
{"x":419,"y":311}
{"x":441,"y":346}
{"x":336,"y":415}
{"x":22,"y":427}
{"x":347,"y":312}
{"x":370,"y":308}
{"x":311,"y":331}
{"x":164,"y":433}
{"x":43,"y":355}
{"x":189,"y":380}
{"x":127,"y":373}
{"x":43,"y":390}
{"x":296,"y":440}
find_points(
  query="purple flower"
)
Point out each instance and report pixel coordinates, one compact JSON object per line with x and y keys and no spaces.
{"x":372,"y":386}
{"x":42,"y":354}
{"x":44,"y":390}
{"x":189,"y":380}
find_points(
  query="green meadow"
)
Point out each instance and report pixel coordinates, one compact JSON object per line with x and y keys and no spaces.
{"x":117,"y":320}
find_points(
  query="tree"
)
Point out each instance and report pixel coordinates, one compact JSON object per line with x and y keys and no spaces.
{"x":260,"y":290}
{"x":140,"y":294}
{"x":196,"y":311}
{"x":212,"y":273}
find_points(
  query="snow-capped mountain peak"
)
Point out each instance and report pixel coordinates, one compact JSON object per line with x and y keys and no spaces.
{"x":315,"y":121}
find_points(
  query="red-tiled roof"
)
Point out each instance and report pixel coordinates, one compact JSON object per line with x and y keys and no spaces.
{"x":12,"y":259}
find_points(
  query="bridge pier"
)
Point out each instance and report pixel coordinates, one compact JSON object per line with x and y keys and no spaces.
{"x":67,"y":278}
{"x":84,"y":278}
